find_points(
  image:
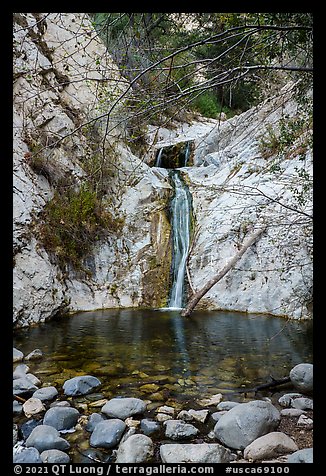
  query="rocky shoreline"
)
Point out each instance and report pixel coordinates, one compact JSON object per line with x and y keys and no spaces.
{"x":77,"y":423}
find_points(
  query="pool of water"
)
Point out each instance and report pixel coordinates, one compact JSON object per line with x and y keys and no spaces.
{"x":160,"y":355}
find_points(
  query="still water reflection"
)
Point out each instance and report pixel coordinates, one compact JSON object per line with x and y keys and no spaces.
{"x":184,"y":357}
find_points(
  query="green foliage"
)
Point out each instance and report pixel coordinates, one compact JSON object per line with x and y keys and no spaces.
{"x":208,"y":105}
{"x":72,"y":223}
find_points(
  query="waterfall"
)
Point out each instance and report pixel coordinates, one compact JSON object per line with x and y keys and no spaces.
{"x":158,"y":158}
{"x":187,"y":153}
{"x":180,"y":220}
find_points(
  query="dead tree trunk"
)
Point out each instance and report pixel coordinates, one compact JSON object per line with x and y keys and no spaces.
{"x":199,"y":294}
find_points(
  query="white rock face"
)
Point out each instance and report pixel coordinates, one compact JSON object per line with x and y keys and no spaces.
{"x":58,"y":87}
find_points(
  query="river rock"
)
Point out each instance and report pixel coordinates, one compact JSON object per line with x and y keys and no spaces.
{"x":36,"y":354}
{"x":45,"y":437}
{"x":301,"y":456}
{"x":149,"y":427}
{"x":305,"y":422}
{"x":302,"y":377}
{"x":179,"y":430}
{"x":61,"y":403}
{"x":241,"y":425}
{"x":199,"y":415}
{"x":107,"y":433}
{"x":269,"y":446}
{"x":303,"y":403}
{"x":212,"y":400}
{"x":36,"y":381}
{"x":217,"y":415}
{"x":166,"y":409}
{"x":14,"y":434}
{"x":27,"y":427}
{"x":162,"y":417}
{"x":225,"y":406}
{"x":23,"y":385}
{"x":123,"y":407}
{"x":81,"y":385}
{"x":17,"y":355}
{"x":27,"y":455}
{"x":33,"y":406}
{"x":46,"y":393}
{"x":20,"y":371}
{"x":287,"y":399}
{"x":195,"y":453}
{"x":61,"y":418}
{"x":136,"y":449}
{"x":291,"y":412}
{"x":17,"y":407}
{"x":54,"y":456}
{"x":93,"y":420}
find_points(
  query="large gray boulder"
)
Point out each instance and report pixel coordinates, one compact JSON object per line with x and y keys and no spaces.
{"x":61,"y":418}
{"x":107,"y":433}
{"x":301,"y":456}
{"x":241,"y":425}
{"x":269,"y":446}
{"x":179,"y":430}
{"x":123,"y":407}
{"x":81,"y":385}
{"x":136,"y":449}
{"x":45,"y":437}
{"x":27,"y":455}
{"x":302,"y":377}
{"x":195,"y":453}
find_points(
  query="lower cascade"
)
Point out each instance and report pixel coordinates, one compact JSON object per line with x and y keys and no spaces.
{"x":180,"y":221}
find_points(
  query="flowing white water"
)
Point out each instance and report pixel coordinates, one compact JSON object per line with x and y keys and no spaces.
{"x":180,"y":220}
{"x":158,"y":159}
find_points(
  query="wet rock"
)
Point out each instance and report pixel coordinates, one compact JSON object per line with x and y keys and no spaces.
{"x":27,"y":427}
{"x":17,"y":355}
{"x":195,"y":453}
{"x":136,"y":449}
{"x":269,"y":446}
{"x":244,"y":423}
{"x":107,"y":434}
{"x":80,"y":385}
{"x":303,"y":403}
{"x":46,"y":393}
{"x":17,"y":407}
{"x":36,"y":354}
{"x":301,"y":456}
{"x":123,"y":407}
{"x":305,"y":422}
{"x":23,"y":385}
{"x":179,"y":430}
{"x":61,"y":418}
{"x":33,"y":406}
{"x":149,"y":388}
{"x":54,"y":456}
{"x":93,"y":420}
{"x":45,"y":437}
{"x":27,"y":455}
{"x":149,"y":427}
{"x":225,"y":406}
{"x":20,"y":371}
{"x":302,"y":377}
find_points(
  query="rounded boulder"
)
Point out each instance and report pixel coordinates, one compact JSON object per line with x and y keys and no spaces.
{"x":302,"y":377}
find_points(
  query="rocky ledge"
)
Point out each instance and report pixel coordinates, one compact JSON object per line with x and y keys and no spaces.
{"x":76,"y":423}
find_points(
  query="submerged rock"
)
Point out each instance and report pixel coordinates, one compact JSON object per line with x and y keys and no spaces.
{"x":81,"y":385}
{"x":241,"y":425}
{"x":123,"y":407}
{"x":136,"y":449}
{"x":195,"y":453}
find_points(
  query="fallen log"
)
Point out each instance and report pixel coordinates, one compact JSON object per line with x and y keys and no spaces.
{"x":272,"y":384}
